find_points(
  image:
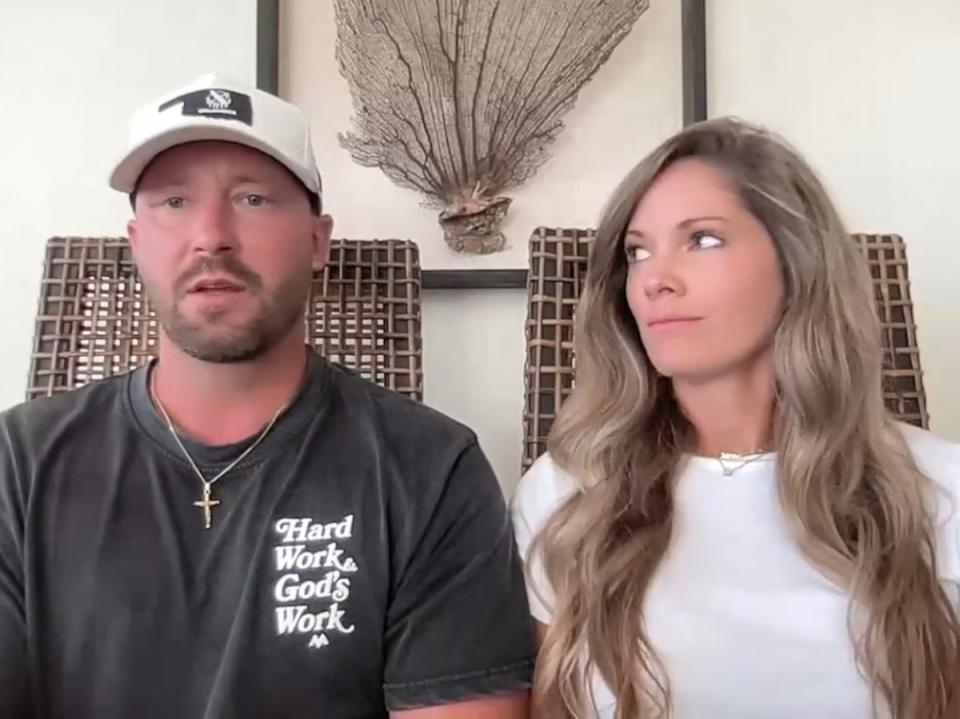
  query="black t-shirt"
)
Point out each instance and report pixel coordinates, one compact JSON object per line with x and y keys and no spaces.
{"x":361,"y":560}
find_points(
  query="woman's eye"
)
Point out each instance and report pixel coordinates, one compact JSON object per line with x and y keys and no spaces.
{"x":174,"y":203}
{"x":636,"y":254}
{"x":706,"y":240}
{"x":255,"y":200}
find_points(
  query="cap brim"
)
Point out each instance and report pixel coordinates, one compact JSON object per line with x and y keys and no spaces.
{"x":126,"y":173}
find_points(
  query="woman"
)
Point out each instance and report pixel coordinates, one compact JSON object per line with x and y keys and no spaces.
{"x":728,"y":523}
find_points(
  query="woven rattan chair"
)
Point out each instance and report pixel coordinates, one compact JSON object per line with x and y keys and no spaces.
{"x":93,"y":320}
{"x":558,"y":264}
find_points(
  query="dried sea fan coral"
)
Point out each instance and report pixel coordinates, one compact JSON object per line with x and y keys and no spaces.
{"x":459,"y":99}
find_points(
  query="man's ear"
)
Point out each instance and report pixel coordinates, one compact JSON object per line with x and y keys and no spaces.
{"x":132,"y":236}
{"x":322,"y":232}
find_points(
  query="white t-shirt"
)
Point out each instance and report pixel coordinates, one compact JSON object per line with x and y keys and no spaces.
{"x":744,"y":625}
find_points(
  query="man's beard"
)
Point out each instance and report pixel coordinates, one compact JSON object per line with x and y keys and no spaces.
{"x":209,"y":342}
{"x":209,"y":339}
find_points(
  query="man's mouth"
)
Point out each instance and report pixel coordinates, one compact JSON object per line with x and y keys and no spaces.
{"x":215,"y":285}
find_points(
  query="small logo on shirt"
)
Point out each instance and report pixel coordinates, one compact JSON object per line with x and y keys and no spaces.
{"x":315,"y":575}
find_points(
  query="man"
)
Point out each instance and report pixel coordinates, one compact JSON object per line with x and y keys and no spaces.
{"x":241,"y":529}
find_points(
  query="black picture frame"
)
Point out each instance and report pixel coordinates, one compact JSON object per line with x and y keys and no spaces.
{"x":693,"y":69}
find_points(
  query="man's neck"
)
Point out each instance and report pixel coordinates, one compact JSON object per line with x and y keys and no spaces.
{"x":224,"y":403}
{"x":732,"y":413}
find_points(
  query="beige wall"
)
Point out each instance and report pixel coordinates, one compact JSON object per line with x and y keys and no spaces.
{"x":869,"y":90}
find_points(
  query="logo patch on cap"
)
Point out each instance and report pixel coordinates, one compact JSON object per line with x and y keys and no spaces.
{"x":214,"y":103}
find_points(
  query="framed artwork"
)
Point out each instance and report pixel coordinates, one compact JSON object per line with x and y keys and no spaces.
{"x":469,"y":174}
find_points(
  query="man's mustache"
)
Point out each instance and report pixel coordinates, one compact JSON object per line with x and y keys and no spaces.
{"x":226,"y":264}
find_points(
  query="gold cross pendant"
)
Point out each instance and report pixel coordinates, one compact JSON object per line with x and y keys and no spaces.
{"x":207,"y":504}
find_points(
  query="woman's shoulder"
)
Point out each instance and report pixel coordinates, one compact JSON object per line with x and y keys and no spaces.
{"x":938,"y":458}
{"x":543,"y":489}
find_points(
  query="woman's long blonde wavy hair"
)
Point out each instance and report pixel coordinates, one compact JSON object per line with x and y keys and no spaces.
{"x":855,"y":500}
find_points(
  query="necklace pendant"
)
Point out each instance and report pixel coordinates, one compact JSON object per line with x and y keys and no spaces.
{"x":727,"y":472}
{"x":206,"y":505}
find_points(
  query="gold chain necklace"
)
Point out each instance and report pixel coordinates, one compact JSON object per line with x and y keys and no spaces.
{"x":742,"y":459}
{"x":207,"y":502}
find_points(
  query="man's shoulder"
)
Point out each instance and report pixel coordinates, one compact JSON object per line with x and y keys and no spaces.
{"x":420,"y":454}
{"x":88,"y":406}
{"x":396,"y":417}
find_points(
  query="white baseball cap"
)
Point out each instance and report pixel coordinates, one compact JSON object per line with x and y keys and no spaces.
{"x":216,"y":108}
